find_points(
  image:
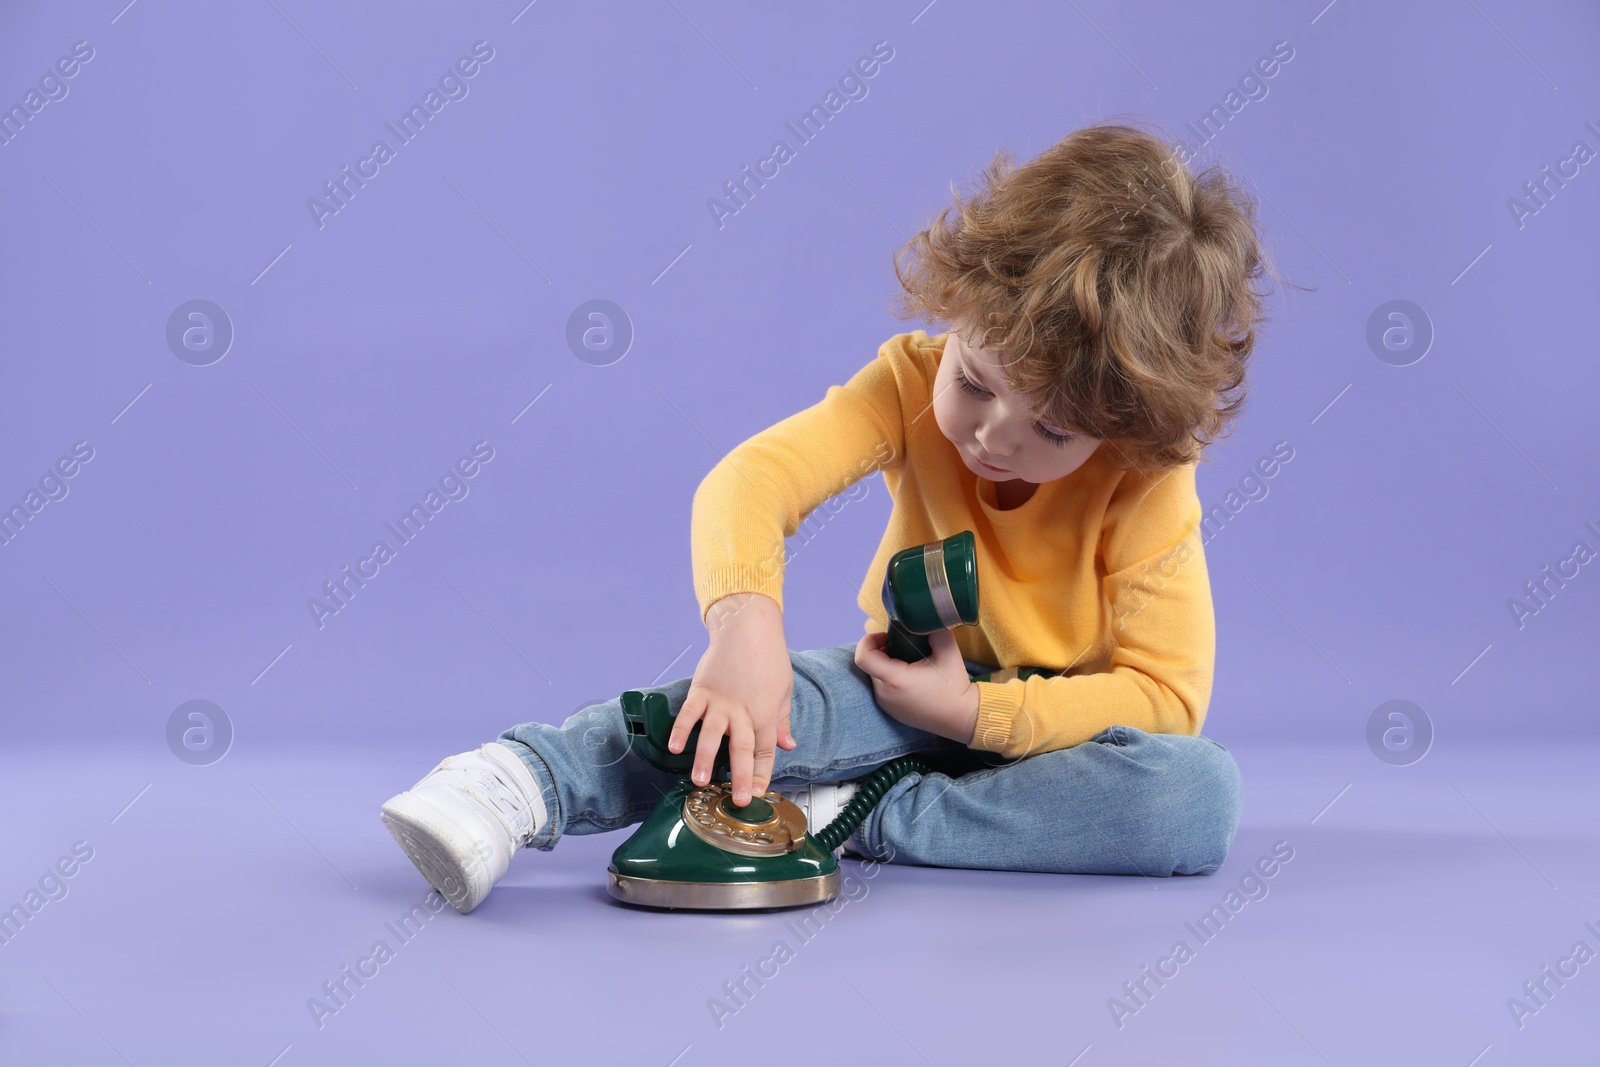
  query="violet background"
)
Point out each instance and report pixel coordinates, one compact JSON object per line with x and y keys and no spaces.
{"x":429,"y":313}
{"x":408,"y":328}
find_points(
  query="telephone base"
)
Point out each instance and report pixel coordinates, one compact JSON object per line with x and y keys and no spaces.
{"x":659,"y":893}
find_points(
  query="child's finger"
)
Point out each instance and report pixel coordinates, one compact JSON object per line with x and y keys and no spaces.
{"x":871,"y":657}
{"x":705,"y":752}
{"x":741,"y":756}
{"x":785,"y":736}
{"x":765,"y":755}
{"x":869,"y":649}
{"x":944,"y":646}
{"x":694,"y":705}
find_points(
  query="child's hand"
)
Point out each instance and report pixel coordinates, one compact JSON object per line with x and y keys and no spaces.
{"x":743,"y":686}
{"x":933,"y":694}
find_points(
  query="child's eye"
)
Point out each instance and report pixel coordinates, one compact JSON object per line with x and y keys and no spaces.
{"x":965,"y":383}
{"x":1051,"y":436}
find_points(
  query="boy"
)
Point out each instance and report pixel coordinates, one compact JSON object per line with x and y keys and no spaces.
{"x":1102,"y":315}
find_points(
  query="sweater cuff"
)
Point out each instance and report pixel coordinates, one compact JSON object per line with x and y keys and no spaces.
{"x":998,"y":708}
{"x":737,"y":578}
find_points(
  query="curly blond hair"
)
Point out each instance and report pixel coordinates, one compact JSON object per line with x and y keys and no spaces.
{"x":1115,"y":287}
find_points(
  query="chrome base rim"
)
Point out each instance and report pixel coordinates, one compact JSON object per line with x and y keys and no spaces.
{"x":658,"y":893}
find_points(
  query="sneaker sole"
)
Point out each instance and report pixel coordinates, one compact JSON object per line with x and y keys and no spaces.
{"x":435,"y":848}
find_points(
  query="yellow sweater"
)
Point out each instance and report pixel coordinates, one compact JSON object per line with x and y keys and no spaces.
{"x":1100,"y":575}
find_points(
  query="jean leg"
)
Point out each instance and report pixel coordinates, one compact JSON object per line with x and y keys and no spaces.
{"x":590,"y":778}
{"x":592,"y":782}
{"x":839,"y":730}
{"x":1124,"y":802}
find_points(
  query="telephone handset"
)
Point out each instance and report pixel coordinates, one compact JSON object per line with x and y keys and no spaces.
{"x":650,"y":728}
{"x":935,"y":587}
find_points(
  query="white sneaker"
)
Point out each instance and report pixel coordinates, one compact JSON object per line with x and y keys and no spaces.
{"x":463,"y":821}
{"x":822,"y":802}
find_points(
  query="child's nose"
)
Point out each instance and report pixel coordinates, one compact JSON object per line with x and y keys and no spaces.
{"x":993,"y":441}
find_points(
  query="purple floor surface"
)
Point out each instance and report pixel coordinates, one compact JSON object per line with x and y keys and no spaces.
{"x":218,"y":901}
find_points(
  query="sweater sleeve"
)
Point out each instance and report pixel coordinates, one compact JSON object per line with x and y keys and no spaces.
{"x":758,"y":494}
{"x":1160,"y":670}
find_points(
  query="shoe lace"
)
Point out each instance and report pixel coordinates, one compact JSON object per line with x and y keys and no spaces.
{"x":504,"y":798}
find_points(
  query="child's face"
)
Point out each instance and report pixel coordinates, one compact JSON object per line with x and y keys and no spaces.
{"x":998,"y":434}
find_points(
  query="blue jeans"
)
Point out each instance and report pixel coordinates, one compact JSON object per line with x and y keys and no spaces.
{"x":1124,"y":802}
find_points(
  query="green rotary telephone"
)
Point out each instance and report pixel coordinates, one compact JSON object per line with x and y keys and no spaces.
{"x":698,"y":849}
